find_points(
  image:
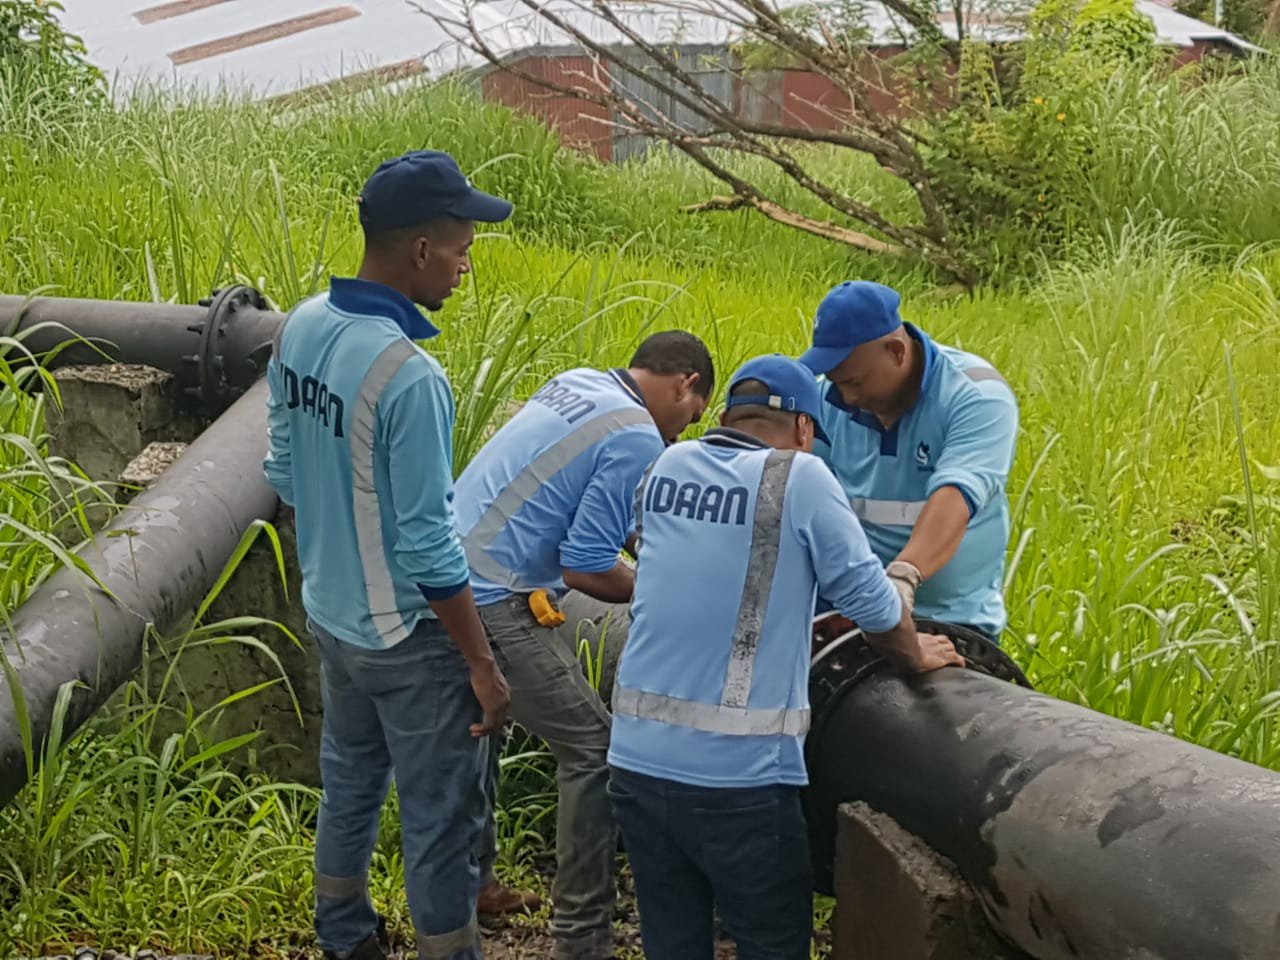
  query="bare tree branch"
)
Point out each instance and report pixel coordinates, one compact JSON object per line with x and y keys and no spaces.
{"x":820,"y":228}
{"x":711,"y":125}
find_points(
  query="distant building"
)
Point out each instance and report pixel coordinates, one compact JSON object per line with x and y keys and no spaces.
{"x":274,"y":48}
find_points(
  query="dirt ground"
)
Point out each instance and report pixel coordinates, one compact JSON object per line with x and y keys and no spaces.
{"x":526,"y":938}
{"x":528,"y":942}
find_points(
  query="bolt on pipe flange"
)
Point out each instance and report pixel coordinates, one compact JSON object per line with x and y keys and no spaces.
{"x":228,"y":360}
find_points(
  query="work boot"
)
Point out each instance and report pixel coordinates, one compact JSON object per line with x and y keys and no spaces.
{"x":496,"y":900}
{"x":376,"y":946}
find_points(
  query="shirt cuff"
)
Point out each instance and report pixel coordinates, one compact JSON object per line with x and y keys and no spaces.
{"x":969,"y":500}
{"x":443,"y":593}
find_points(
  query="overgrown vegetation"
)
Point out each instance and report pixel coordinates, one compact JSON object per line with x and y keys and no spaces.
{"x":978,"y":138}
{"x":1144,"y":575}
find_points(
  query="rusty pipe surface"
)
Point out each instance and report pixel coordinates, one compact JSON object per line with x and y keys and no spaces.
{"x":215,"y":350}
{"x":1082,"y":835}
{"x":158,"y":559}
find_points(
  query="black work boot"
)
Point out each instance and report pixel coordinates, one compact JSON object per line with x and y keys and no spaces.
{"x":376,"y":946}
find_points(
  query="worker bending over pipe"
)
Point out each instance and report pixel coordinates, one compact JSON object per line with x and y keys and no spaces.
{"x":737,"y":531}
{"x":922,"y":438}
{"x":545,"y":508}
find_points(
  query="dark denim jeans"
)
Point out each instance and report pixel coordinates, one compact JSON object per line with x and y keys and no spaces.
{"x":697,"y":852}
{"x":406,"y":709}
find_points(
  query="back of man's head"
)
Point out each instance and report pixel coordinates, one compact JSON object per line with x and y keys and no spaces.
{"x":677,"y":353}
{"x":774,"y":427}
{"x":777,"y":400}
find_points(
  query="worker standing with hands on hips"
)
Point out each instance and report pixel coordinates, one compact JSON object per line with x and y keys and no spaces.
{"x":737,"y":531}
{"x":360,"y":445}
{"x":922,"y":438}
{"x":546,"y":507}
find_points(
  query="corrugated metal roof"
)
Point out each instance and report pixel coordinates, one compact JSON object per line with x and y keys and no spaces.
{"x":273,"y":47}
{"x":261,"y":46}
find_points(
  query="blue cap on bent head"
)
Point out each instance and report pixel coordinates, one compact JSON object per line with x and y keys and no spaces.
{"x":853,"y":313}
{"x":424,"y":185}
{"x":792,"y":388}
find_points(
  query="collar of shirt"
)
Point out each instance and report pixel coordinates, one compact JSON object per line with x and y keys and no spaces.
{"x":353,"y":295}
{"x":628,"y":384}
{"x":926,"y":382}
{"x":734,"y":439}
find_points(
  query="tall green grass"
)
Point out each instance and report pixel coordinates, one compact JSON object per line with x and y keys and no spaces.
{"x":1144,"y":574}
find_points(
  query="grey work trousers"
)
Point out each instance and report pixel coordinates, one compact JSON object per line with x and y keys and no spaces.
{"x":552,"y":698}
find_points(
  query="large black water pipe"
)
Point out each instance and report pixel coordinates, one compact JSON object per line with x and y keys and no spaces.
{"x":215,"y":351}
{"x":1082,"y":835}
{"x":156,"y":561}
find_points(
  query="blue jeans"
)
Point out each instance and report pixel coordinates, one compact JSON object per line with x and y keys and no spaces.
{"x":697,"y":851}
{"x":405,"y":710}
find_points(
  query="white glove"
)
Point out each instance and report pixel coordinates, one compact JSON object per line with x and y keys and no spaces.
{"x":906,"y":579}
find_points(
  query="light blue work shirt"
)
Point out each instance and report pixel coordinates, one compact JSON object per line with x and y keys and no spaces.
{"x":735,"y":539}
{"x":360,"y":423}
{"x":554,"y":489}
{"x":961,"y":432}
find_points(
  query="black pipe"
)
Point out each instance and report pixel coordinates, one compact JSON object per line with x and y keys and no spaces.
{"x":158,"y":559}
{"x":215,"y":351}
{"x":1082,"y":835}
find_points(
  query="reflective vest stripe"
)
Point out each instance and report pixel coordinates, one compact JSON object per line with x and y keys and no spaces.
{"x":732,"y":715}
{"x":710,"y":717}
{"x":766,"y":537}
{"x":526,"y":484}
{"x":985,"y":373}
{"x":383,"y":607}
{"x":888,"y":513}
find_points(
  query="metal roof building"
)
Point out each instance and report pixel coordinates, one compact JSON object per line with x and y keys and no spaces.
{"x":271,"y":47}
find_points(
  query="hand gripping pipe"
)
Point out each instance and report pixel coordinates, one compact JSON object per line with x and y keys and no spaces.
{"x":1083,"y":836}
{"x":215,"y":351}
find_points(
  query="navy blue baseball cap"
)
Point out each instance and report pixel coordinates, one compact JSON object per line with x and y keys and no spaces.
{"x":853,"y":313}
{"x":423,"y":185}
{"x":792,"y":388}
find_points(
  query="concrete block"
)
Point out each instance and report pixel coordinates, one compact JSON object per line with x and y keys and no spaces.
{"x":144,"y":469}
{"x":110,"y":412}
{"x":896,"y":899}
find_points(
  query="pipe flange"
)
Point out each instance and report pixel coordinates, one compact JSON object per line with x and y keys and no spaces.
{"x":842,"y":657}
{"x":218,"y":385}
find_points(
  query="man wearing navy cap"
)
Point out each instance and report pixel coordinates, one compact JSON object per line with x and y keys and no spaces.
{"x":737,"y":532}
{"x":360,"y":423}
{"x":922,"y":438}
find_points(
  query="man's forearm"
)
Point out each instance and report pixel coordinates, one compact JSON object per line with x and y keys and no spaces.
{"x":612,"y":586}
{"x":461,"y":620}
{"x":900,"y":646}
{"x":938,"y":532}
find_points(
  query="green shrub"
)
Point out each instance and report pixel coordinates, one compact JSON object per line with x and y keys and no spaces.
{"x":1018,"y":140}
{"x":46,"y":65}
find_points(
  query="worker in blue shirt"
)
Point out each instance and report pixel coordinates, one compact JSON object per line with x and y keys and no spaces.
{"x":922,"y":439}
{"x":360,"y":445}
{"x":737,"y":532}
{"x":545,"y":510}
